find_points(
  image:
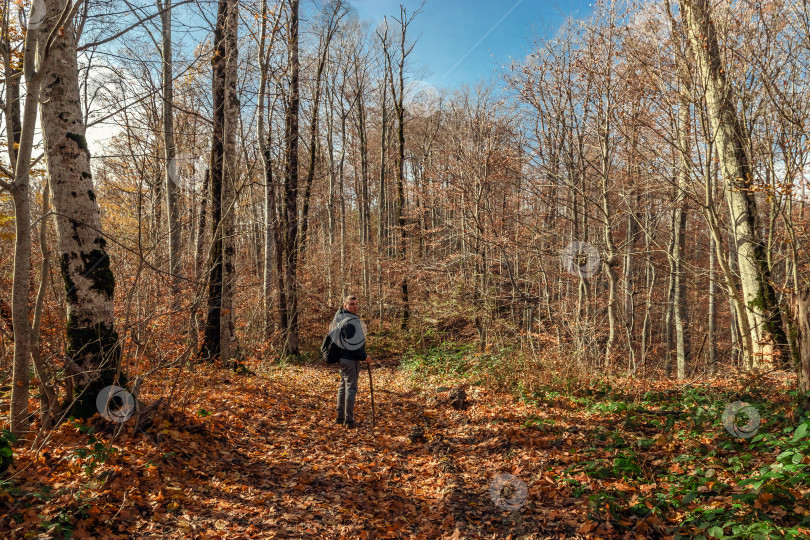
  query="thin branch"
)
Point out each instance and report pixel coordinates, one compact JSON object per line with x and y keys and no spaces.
{"x":135,"y":25}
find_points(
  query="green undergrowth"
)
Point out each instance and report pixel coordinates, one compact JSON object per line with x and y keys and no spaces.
{"x":451,"y":362}
{"x":658,"y":459}
{"x":682,"y":463}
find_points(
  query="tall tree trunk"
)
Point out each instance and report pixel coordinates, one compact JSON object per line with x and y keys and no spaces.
{"x":330,"y":198}
{"x":212,"y":340}
{"x":19,"y":302}
{"x":629,"y":282}
{"x":669,"y":313}
{"x":273,"y":242}
{"x":291,"y":186}
{"x":802,"y":310}
{"x":679,"y":212}
{"x":646,"y":334}
{"x":712,"y":310}
{"x":20,"y":193}
{"x":382,"y":233}
{"x":610,"y":253}
{"x":363,"y":204}
{"x":199,"y":253}
{"x":762,"y":309}
{"x":93,"y":351}
{"x":228,"y":343}
{"x":170,"y":150}
{"x":342,"y":200}
{"x":682,"y":339}
{"x":726,"y":260}
{"x":399,"y":108}
{"x":47,"y":396}
{"x":631,"y":238}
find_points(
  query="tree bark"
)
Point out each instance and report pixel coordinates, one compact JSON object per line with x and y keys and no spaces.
{"x":382,"y":233}
{"x":199,"y":254}
{"x":683,"y":133}
{"x":398,"y":95}
{"x":47,"y":392}
{"x":170,"y":150}
{"x":802,"y":309}
{"x":228,"y":342}
{"x":20,"y":158}
{"x":93,"y":351}
{"x":273,"y":243}
{"x":712,"y":310}
{"x":212,"y":340}
{"x":291,"y":186}
{"x":762,"y":308}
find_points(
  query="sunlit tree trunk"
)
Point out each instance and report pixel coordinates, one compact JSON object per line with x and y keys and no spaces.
{"x":20,"y":193}
{"x":761,"y":308}
{"x":679,"y":214}
{"x":93,"y":351}
{"x":170,"y":150}
{"x":681,"y":320}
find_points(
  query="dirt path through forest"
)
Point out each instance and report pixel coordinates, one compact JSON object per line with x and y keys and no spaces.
{"x":273,"y":463}
{"x":276,"y":464}
{"x":261,"y":457}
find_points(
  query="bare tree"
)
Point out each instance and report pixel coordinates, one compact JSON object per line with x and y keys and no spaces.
{"x":762,"y":308}
{"x":291,"y":186}
{"x":273,"y":243}
{"x":397,"y":83}
{"x":212,"y":341}
{"x":335,"y":12}
{"x":170,"y":148}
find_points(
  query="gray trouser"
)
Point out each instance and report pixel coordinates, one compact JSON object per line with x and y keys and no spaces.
{"x":347,"y":389}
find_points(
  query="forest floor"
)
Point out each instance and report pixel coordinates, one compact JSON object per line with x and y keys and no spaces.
{"x":260,"y":456}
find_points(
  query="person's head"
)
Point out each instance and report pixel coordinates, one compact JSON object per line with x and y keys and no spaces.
{"x":351,"y":304}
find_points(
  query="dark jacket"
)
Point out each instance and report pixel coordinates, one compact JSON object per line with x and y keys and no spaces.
{"x":351,"y":334}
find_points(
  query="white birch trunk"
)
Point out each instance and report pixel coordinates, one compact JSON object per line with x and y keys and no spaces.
{"x":93,"y":352}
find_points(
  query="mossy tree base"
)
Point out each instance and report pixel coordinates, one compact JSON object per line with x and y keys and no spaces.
{"x":97,"y":354}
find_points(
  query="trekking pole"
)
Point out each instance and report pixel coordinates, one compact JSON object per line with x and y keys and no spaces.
{"x":371,"y":386}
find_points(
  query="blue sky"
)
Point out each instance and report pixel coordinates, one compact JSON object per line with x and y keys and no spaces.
{"x":450,"y":29}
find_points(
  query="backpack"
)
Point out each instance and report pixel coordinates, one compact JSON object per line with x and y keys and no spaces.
{"x":330,"y":352}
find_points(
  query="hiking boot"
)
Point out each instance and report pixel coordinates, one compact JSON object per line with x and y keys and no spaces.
{"x":339,"y":420}
{"x":350,"y":424}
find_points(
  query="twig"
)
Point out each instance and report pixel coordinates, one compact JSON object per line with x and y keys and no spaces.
{"x":371,"y":386}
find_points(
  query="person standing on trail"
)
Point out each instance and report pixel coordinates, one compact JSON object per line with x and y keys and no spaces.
{"x":349,"y":333}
